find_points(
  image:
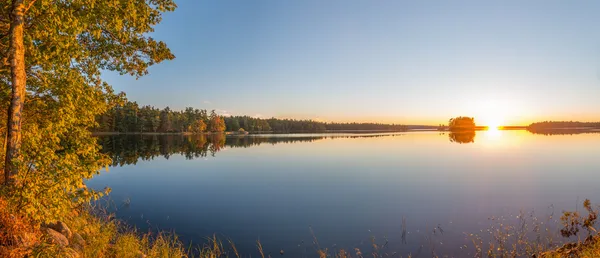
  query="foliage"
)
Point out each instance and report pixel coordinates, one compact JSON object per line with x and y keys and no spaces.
{"x":562,"y":125}
{"x":587,"y":249}
{"x":105,"y":236}
{"x":462,"y":123}
{"x":527,"y":236}
{"x":216,"y":124}
{"x":130,"y":117}
{"x":572,"y":222}
{"x":17,"y":234}
{"x":197,"y":126}
{"x":67,"y":45}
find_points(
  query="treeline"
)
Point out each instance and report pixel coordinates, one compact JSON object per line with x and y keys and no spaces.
{"x":253,"y":124}
{"x":567,"y":131}
{"x":563,"y":125}
{"x":131,"y":118}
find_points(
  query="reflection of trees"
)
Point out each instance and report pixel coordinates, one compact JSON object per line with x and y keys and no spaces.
{"x":462,"y":137}
{"x":128,"y":149}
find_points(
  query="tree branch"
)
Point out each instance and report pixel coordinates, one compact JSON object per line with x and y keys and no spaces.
{"x":29,"y":6}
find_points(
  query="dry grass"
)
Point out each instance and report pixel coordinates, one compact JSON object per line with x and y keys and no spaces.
{"x":107,"y":237}
{"x":103,"y":236}
{"x":527,"y":237}
{"x":588,"y":249}
{"x":18,"y":236}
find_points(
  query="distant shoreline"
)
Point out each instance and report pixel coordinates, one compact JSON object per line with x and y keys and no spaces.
{"x":479,"y":128}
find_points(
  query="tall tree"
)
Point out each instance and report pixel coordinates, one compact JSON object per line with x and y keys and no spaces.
{"x":16,"y":57}
{"x":52,"y":53}
{"x":216,"y":122}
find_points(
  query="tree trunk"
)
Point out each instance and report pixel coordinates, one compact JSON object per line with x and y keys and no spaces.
{"x":18,"y":82}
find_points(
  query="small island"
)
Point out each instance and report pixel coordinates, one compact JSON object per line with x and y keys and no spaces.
{"x":461,"y":124}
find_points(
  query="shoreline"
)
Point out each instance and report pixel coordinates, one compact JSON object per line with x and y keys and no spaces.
{"x":291,"y":132}
{"x":478,"y":128}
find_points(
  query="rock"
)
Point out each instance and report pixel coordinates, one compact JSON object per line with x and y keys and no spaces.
{"x":55,"y":237}
{"x":62,"y":228}
{"x":78,"y":239}
{"x":77,"y":242}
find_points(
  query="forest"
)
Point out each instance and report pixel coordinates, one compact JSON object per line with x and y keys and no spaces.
{"x":133,"y":118}
{"x":563,"y":125}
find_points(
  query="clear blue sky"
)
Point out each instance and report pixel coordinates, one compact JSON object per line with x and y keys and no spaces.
{"x":382,"y":61}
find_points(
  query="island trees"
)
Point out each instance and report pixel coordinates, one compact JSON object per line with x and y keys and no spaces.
{"x":461,"y":123}
{"x":462,"y":129}
{"x":51,"y":56}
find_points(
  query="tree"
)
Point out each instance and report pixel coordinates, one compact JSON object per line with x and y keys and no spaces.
{"x":197,"y":127}
{"x":16,"y":59}
{"x":166,"y":120}
{"x":232,"y":123}
{"x":52,"y":54}
{"x":461,"y":123}
{"x":216,"y":122}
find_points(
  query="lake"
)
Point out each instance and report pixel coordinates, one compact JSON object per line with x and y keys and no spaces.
{"x":348,"y":189}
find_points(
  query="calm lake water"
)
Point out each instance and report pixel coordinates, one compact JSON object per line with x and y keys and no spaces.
{"x":347,"y":187}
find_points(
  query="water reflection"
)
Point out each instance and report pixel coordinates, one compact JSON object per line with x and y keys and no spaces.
{"x":462,"y":137}
{"x":128,"y":149}
{"x":565,"y":131}
{"x":346,"y":189}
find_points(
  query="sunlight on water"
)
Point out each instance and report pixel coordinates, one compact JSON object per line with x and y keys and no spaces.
{"x":493,"y":132}
{"x":495,"y":138}
{"x":346,"y":187}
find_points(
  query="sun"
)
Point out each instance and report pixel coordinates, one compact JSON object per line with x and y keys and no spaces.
{"x":493,"y":122}
{"x":492,"y":113}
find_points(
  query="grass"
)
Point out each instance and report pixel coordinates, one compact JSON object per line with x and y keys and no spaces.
{"x":527,"y":237}
{"x":588,"y":249}
{"x":105,"y":236}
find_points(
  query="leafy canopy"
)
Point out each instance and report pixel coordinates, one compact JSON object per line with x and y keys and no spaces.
{"x":68,"y":43}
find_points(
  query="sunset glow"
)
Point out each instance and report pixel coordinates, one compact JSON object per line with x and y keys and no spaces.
{"x":493,"y":123}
